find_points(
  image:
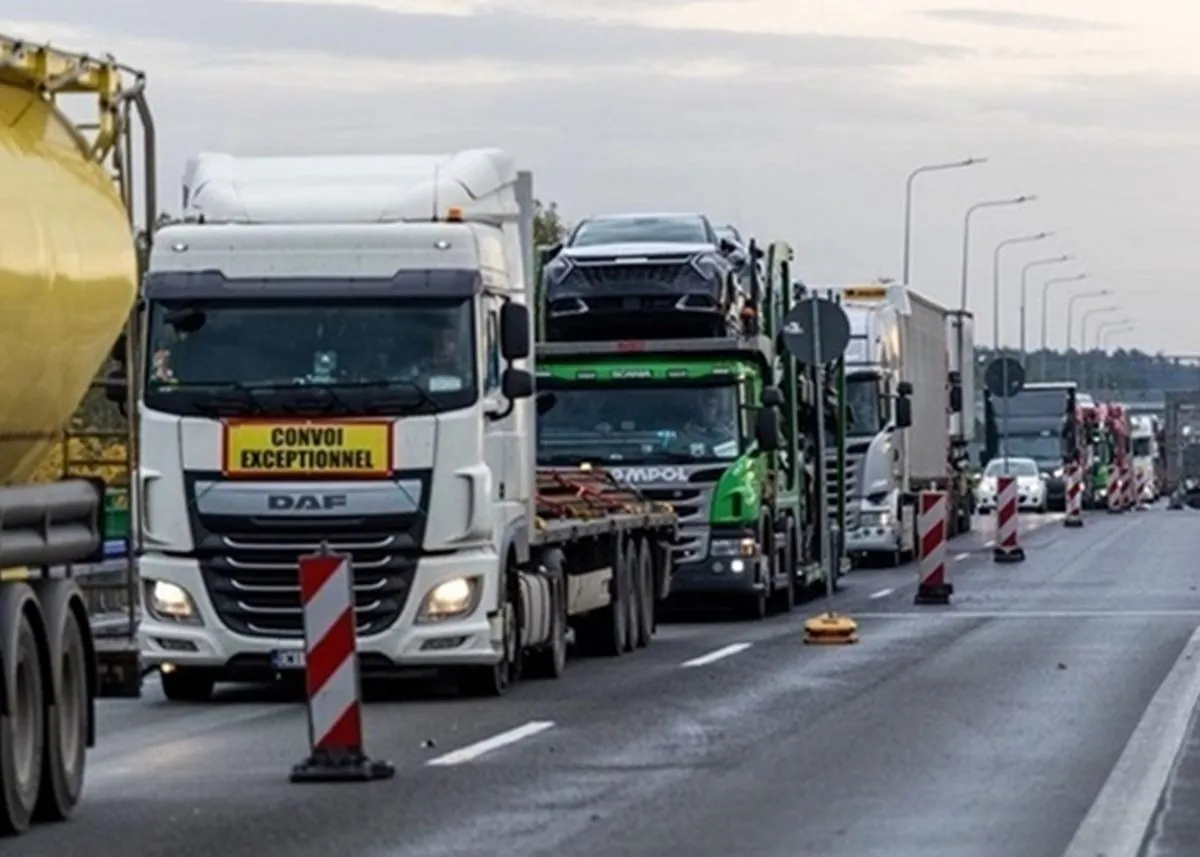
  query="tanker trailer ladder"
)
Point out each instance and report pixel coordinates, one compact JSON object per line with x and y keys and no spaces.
{"x":48,"y":652}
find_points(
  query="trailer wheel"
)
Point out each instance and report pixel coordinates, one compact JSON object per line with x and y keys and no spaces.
{"x":498,"y":678}
{"x":784,"y":599}
{"x":644,"y":587}
{"x":68,"y":713}
{"x":22,"y":731}
{"x":632,"y":556}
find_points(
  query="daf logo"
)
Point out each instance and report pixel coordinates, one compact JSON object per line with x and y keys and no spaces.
{"x":305,"y":502}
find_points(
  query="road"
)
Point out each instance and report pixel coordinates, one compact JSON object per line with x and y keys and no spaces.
{"x":985,"y":728}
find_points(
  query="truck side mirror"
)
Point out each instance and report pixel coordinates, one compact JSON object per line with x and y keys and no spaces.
{"x":904,"y":388}
{"x":772,"y":397}
{"x":116,"y":389}
{"x":516,"y":384}
{"x":768,"y":430}
{"x":118,"y":349}
{"x":903,"y":412}
{"x":956,"y":400}
{"x":514,"y":332}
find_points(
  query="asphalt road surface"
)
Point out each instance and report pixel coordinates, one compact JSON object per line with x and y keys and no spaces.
{"x":990,"y":727}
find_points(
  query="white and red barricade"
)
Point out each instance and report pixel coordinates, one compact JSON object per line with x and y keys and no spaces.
{"x":1141,"y":489}
{"x":1074,"y":478}
{"x":933,"y":581}
{"x":1008,"y":546}
{"x":1116,"y":489}
{"x":335,"y":721}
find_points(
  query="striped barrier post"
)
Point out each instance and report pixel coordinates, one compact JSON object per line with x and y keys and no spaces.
{"x":1008,"y":546}
{"x":1140,"y":496}
{"x":1115,"y":490}
{"x":1074,"y":516}
{"x":933,"y":583}
{"x":1129,"y":480}
{"x":335,"y":722}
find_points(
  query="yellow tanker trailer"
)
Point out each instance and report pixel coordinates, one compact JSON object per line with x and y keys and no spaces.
{"x":68,"y":285}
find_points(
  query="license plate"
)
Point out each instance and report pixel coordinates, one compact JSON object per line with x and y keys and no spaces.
{"x":287,"y":659}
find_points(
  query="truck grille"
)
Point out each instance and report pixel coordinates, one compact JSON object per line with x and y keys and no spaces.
{"x":854,"y":456}
{"x":692,"y":503}
{"x":255,"y":589}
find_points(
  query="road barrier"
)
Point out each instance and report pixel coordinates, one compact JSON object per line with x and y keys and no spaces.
{"x":1008,"y":545}
{"x":1115,"y":491}
{"x":1140,"y":491}
{"x":1074,"y":516}
{"x":933,"y":581}
{"x":335,"y":721}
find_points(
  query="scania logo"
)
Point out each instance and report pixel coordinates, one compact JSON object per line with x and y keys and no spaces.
{"x":635,"y":475}
{"x":305,"y":502}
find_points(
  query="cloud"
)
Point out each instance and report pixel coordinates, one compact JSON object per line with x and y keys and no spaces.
{"x":1018,"y":20}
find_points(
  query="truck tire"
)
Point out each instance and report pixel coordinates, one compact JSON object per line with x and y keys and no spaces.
{"x":784,"y":599}
{"x":23,"y":730}
{"x":644,"y":586}
{"x":495,"y":680}
{"x":550,"y":660}
{"x":187,"y":684}
{"x":611,"y":628}
{"x":69,"y":712}
{"x":755,"y":608}
{"x":633,"y":610}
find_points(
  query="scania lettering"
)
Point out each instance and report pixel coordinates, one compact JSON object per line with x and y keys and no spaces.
{"x":338,"y":353}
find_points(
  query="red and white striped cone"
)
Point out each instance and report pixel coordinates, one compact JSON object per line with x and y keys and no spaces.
{"x":331,"y":674}
{"x":1115,"y":490}
{"x":1074,"y":516}
{"x":1128,"y":479}
{"x":1140,"y":495}
{"x":1008,"y":546}
{"x":933,"y":581}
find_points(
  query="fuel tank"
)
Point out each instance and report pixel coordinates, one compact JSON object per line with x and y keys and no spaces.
{"x":68,"y":275}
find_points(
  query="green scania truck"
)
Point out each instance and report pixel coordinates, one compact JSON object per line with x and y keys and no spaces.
{"x":721,"y":426}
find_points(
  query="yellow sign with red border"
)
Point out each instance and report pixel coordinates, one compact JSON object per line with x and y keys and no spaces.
{"x":354,"y":449}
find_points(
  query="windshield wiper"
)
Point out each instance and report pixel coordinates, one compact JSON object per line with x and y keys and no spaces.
{"x":216,"y":403}
{"x":414,"y":396}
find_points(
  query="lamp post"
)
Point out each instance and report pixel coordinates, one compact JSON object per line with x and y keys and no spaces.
{"x":1083,"y":337}
{"x":1104,"y":344}
{"x":908,"y":198}
{"x":1071,"y":319}
{"x":1008,"y":242}
{"x":1101,"y":329}
{"x":966,"y":248}
{"x":1053,"y":281}
{"x":1055,"y":260}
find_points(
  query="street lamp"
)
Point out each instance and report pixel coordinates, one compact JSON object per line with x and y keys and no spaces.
{"x":1008,"y":242}
{"x":966,"y":248}
{"x":1083,"y":337}
{"x":1053,"y":281}
{"x":1104,"y":344}
{"x":1056,"y":260}
{"x":1071,"y":319}
{"x":908,"y":197}
{"x":1101,"y":329}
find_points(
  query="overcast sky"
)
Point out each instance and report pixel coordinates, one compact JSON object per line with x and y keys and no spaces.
{"x":795,"y":119}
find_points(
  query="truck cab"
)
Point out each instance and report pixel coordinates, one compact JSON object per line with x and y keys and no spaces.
{"x":330,"y":357}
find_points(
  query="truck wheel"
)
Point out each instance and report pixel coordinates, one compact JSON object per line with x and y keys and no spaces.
{"x":644,"y":586}
{"x":23,"y":731}
{"x":784,"y":599}
{"x":67,"y":718}
{"x":495,"y":680}
{"x":633,"y":609}
{"x":612,"y":627}
{"x":550,"y":661}
{"x":184,"y":684}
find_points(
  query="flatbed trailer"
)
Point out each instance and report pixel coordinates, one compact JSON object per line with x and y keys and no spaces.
{"x":600,"y":566}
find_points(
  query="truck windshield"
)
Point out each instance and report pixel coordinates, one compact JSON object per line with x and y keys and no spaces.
{"x":1141,"y":446}
{"x":355,"y":349}
{"x":1036,"y":403}
{"x":1045,"y":449}
{"x":640,"y":424}
{"x":862,"y":403}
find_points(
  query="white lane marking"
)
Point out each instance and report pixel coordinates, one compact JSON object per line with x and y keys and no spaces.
{"x":990,"y":543}
{"x":883,"y":593}
{"x":959,"y":557}
{"x":1121,"y":816}
{"x":487,"y":745}
{"x":719,"y":654}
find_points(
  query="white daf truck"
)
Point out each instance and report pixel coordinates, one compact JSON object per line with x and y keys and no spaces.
{"x":336,"y":352}
{"x":899,"y":439}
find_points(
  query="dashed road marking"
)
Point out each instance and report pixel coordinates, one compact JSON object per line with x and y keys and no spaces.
{"x":479,"y":748}
{"x":718,"y":655}
{"x":959,"y":557}
{"x":990,"y":543}
{"x":1124,"y":810}
{"x":883,"y":593}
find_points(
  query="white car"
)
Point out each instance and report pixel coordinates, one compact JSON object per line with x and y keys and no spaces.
{"x":1031,"y":485}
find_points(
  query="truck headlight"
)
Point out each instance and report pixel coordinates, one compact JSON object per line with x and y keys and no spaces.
{"x":458,"y":596}
{"x":875,"y":519}
{"x":558,"y":270}
{"x":734,"y":547}
{"x":170,"y":602}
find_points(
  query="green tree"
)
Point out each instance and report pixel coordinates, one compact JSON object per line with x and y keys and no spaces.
{"x":548,"y":225}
